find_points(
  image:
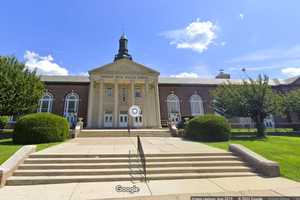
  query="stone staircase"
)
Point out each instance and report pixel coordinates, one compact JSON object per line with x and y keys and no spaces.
{"x":163,"y":132}
{"x":69,"y":168}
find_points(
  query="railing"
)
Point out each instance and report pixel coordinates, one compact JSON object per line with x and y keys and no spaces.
{"x":142,"y":156}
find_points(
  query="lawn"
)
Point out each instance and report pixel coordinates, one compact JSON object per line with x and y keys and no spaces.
{"x":283,"y":149}
{"x":8,"y":148}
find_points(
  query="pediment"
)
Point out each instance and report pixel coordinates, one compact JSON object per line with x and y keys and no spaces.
{"x":124,"y":66}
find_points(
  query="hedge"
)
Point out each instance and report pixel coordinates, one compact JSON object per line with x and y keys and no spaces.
{"x":40,"y":128}
{"x":208,"y":128}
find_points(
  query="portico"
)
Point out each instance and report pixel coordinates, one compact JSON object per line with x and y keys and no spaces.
{"x":117,"y":86}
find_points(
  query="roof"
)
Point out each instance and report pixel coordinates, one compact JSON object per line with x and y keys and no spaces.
{"x":66,"y":79}
{"x":169,"y":80}
{"x":125,"y":62}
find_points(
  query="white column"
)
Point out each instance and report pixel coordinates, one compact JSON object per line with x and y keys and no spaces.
{"x":158,"y":122}
{"x":100,"y":115}
{"x":116,"y":104}
{"x":90,"y":104}
{"x":132,"y":92}
{"x":146,"y":112}
{"x":132,"y":101}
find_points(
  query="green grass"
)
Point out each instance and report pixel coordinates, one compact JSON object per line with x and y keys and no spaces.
{"x":8,"y":148}
{"x":253,"y":130}
{"x":283,"y":149}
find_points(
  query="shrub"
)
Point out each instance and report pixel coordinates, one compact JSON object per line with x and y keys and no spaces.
{"x":3,"y":121}
{"x":40,"y":128}
{"x":208,"y":128}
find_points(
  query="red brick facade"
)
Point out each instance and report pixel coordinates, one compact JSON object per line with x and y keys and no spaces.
{"x":59,"y":92}
{"x":183,"y":91}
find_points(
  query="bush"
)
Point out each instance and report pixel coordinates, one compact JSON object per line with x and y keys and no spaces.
{"x":208,"y":128}
{"x":3,"y":121}
{"x":40,"y":128}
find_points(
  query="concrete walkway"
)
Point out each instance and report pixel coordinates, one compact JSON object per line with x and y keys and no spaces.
{"x":162,"y":189}
{"x":169,"y":189}
{"x":126,"y":144}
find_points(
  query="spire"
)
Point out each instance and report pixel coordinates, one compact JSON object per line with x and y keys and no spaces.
{"x":123,"y":50}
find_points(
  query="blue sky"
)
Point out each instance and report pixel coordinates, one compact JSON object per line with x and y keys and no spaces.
{"x":178,"y":38}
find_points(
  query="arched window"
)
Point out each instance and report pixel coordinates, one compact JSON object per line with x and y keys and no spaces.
{"x":71,"y":107}
{"x":196,"y":105}
{"x":71,"y":103}
{"x":173,"y":105}
{"x":45,"y":104}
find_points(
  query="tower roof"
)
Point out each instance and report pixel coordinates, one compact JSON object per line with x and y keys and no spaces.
{"x":123,"y":50}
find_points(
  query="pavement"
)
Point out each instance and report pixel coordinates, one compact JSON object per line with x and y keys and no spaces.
{"x":156,"y":189}
{"x":166,"y":189}
{"x":125,"y":144}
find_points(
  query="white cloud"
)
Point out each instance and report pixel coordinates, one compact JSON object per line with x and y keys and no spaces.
{"x":186,"y":75}
{"x":241,"y":15}
{"x":291,"y":71}
{"x":197,"y":36}
{"x":44,"y":65}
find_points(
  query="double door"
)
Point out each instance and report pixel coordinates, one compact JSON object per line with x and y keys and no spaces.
{"x":123,"y":120}
{"x":108,"y":120}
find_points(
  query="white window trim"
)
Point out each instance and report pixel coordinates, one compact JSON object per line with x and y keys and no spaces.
{"x":50,"y":102}
{"x":172,"y":98}
{"x":67,"y":101}
{"x":196,"y":100}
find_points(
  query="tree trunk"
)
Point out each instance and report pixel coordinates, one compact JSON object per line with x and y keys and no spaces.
{"x":260,"y":126}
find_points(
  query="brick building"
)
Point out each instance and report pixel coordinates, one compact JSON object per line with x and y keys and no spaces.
{"x":103,"y":98}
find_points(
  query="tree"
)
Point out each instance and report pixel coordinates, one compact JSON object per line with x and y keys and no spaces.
{"x":251,"y":98}
{"x":20,"y":88}
{"x":291,"y":101}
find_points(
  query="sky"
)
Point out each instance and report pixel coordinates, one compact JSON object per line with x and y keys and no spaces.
{"x":191,"y":38}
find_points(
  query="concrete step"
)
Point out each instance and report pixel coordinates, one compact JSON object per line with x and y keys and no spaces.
{"x":38,"y":155}
{"x":126,"y":160}
{"x":82,"y":135}
{"x":128,"y":165}
{"x":169,"y":170}
{"x":24,"y":180}
{"x":124,"y":133}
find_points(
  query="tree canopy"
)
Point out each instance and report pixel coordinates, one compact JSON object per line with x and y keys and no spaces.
{"x":252,"y":98}
{"x":20,"y":88}
{"x":292,"y":101}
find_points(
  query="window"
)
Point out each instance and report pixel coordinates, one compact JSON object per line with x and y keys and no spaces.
{"x":71,"y":108}
{"x":45,"y":104}
{"x":71,"y":103}
{"x":196,"y":105}
{"x":124,"y":94}
{"x":109,"y":92}
{"x":137,"y":92}
{"x":173,"y":104}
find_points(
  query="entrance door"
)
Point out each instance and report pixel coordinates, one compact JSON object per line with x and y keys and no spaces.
{"x":138,"y":121}
{"x":174,"y":117}
{"x":108,"y":120}
{"x":123,"y":120}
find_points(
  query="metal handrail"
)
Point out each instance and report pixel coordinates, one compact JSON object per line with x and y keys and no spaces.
{"x":142,"y":156}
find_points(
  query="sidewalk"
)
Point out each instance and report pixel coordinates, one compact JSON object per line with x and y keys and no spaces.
{"x":167,"y":189}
